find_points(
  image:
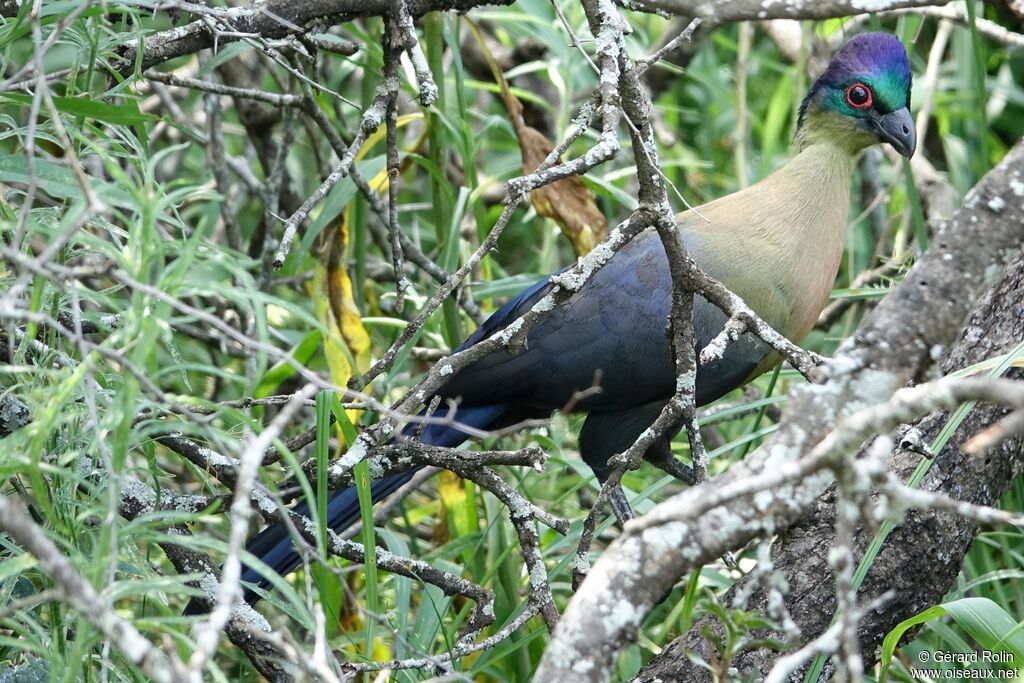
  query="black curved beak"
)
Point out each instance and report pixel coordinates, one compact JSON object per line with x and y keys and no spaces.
{"x":896,"y":128}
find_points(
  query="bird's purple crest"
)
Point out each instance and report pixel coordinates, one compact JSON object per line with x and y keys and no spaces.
{"x":876,"y":57}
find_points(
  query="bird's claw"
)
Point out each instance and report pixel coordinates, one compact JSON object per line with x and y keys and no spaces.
{"x":620,"y":505}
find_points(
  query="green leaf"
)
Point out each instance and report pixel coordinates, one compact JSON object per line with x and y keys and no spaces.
{"x":16,"y":565}
{"x":985,"y":621}
{"x":504,"y":287}
{"x":126,"y":113}
{"x":58,"y":181}
{"x":283,"y":370}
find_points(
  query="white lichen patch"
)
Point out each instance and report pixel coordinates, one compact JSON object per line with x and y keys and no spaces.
{"x":520,"y":509}
{"x":583,"y":667}
{"x":375,"y":468}
{"x":874,"y":386}
{"x":715,"y":348}
{"x":190,"y":503}
{"x":242,"y":613}
{"x":510,"y":331}
{"x":538,"y":576}
{"x":580,"y":565}
{"x":142,"y":495}
{"x":86,"y":467}
{"x":428,"y":93}
{"x":263,"y":502}
{"x":871,"y":5}
{"x":665,"y":538}
{"x":210,"y":585}
{"x":763,"y":500}
{"x":216,"y":460}
{"x":354,"y":455}
{"x":544,"y":305}
{"x":622,"y":615}
{"x":997,"y":204}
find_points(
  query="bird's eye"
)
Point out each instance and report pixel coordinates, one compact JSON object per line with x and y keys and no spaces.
{"x":858,"y":96}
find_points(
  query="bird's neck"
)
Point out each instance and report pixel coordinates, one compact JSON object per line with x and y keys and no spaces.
{"x":814,"y":189}
{"x":822,"y":127}
{"x":806,"y":201}
{"x":817,"y":178}
{"x":789,"y":230}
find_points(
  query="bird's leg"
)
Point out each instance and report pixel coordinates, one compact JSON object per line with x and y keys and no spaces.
{"x":661,"y":456}
{"x":730,"y":561}
{"x":620,"y":505}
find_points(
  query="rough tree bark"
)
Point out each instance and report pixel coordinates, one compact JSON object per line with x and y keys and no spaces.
{"x":922,"y":557}
{"x":777,"y":485}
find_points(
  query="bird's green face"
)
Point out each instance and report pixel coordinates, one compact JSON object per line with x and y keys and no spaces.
{"x":863,"y":97}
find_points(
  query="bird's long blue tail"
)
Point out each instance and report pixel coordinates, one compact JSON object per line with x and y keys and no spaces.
{"x":274,"y":545}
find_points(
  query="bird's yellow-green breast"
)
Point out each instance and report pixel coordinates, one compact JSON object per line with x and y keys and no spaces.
{"x":778,"y":244}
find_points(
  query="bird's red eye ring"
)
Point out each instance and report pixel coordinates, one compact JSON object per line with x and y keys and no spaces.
{"x":858,"y":96}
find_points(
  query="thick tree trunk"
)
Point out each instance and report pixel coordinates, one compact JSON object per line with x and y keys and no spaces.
{"x":782,"y":482}
{"x":922,"y":556}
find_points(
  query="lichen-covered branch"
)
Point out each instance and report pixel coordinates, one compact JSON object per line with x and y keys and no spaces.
{"x":754,"y":10}
{"x":897,"y":342}
{"x":921,"y":558}
{"x":80,"y":595}
{"x":274,"y":19}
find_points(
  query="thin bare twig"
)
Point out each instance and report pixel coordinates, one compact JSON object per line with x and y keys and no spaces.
{"x":79,"y":594}
{"x":369,"y":122}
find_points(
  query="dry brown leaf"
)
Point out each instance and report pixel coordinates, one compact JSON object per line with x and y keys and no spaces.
{"x":568,"y":201}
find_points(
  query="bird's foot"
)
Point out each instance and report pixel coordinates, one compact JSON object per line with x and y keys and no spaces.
{"x":620,"y":505}
{"x":671,"y":465}
{"x":730,"y":561}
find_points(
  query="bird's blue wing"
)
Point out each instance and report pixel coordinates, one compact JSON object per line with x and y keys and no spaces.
{"x":612,"y":334}
{"x":512,"y":309}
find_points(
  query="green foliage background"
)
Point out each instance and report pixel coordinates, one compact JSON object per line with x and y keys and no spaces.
{"x":98,"y":405}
